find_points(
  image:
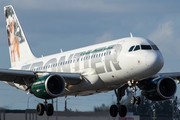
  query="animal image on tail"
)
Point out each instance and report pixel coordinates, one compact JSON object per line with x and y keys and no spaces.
{"x":14,"y":34}
{"x":13,"y":42}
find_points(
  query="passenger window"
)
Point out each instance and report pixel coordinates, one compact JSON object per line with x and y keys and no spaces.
{"x":91,"y":56}
{"x":146,"y":47}
{"x":155,"y":47}
{"x":131,"y":49}
{"x":137,"y":48}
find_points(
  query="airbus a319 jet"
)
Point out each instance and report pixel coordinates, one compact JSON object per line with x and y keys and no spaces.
{"x":114,"y":65}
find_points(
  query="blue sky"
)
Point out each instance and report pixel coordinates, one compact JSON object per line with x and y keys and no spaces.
{"x":53,"y":25}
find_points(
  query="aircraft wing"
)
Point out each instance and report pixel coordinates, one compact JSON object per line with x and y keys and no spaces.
{"x":174,"y":75}
{"x":24,"y":77}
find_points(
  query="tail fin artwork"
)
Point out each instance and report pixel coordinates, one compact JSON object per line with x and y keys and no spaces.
{"x":19,"y":49}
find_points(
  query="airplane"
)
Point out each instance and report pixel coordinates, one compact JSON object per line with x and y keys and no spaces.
{"x":115,"y":65}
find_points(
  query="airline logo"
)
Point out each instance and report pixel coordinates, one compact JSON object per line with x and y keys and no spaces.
{"x":94,"y":57}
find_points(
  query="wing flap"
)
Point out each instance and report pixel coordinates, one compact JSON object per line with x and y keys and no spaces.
{"x":21,"y":77}
{"x":24,"y":77}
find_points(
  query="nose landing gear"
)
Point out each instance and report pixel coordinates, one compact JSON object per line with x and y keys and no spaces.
{"x":134,"y":99}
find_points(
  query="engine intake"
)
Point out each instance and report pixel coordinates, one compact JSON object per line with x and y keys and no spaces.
{"x":55,"y":85}
{"x":49,"y":86}
{"x":160,"y":89}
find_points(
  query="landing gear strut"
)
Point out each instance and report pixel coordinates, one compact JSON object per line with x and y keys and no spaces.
{"x":121,"y":109}
{"x":134,"y":99}
{"x":46,"y":107}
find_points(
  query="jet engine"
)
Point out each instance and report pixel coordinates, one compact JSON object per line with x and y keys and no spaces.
{"x":159,"y":89}
{"x":48,"y":87}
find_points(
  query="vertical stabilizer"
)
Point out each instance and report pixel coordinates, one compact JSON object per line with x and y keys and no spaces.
{"x":19,"y":49}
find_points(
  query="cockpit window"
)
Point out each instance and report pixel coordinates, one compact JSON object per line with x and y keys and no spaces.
{"x":143,"y":47}
{"x":137,"y":48}
{"x":146,"y":47}
{"x":131,"y":49}
{"x":155,"y":47}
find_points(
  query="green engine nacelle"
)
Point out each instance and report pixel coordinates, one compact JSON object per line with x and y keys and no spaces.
{"x":48,"y":87}
{"x":159,"y":89}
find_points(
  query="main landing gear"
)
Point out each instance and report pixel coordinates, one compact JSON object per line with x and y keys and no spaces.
{"x":134,"y":99}
{"x":46,"y":107}
{"x":121,"y":109}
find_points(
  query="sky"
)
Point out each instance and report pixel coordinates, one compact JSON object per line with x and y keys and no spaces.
{"x":69,"y":24}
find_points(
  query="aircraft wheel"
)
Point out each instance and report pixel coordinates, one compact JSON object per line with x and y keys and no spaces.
{"x":138,"y":100}
{"x":113,"y":110}
{"x":50,"y":110}
{"x":123,"y":111}
{"x":133,"y":99}
{"x":40,"y":109}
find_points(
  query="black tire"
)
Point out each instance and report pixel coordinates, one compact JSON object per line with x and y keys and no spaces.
{"x":138,"y":100}
{"x":133,"y":99}
{"x":123,"y":111}
{"x":50,"y":110}
{"x":113,"y":110}
{"x":40,"y":109}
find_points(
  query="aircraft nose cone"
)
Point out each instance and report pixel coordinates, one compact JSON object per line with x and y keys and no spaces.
{"x":154,"y":61}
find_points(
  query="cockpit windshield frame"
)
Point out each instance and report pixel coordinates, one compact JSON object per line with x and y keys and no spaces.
{"x":143,"y":47}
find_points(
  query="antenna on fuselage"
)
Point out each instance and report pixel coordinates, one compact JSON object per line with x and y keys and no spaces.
{"x":61,"y":50}
{"x":131,"y":34}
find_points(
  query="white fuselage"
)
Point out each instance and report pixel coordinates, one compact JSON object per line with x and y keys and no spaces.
{"x":104,"y":66}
